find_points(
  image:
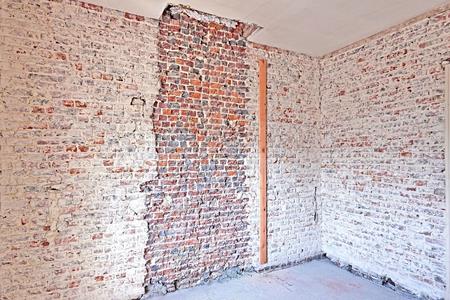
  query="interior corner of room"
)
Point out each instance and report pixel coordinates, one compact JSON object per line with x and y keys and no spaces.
{"x":222,"y":150}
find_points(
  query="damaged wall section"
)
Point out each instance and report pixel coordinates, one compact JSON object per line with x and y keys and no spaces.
{"x":203,"y":207}
{"x":197,"y":211}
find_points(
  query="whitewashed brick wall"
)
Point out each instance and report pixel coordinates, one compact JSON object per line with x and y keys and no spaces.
{"x":293,"y":154}
{"x":382,"y":175}
{"x":73,"y":150}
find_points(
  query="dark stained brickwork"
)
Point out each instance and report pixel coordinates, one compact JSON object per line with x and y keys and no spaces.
{"x":198,"y":223}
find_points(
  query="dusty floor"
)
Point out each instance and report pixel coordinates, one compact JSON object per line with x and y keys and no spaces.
{"x":316,"y":280}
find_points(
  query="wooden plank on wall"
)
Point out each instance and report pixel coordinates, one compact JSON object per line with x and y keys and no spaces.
{"x":447,"y":169}
{"x":263,"y":160}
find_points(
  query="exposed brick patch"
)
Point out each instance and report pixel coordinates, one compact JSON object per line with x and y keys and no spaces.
{"x":197,"y":212}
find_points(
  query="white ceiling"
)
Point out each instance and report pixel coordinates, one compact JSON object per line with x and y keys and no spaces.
{"x":314,"y":27}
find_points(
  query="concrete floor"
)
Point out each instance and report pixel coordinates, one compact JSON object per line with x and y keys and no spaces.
{"x":316,"y":280}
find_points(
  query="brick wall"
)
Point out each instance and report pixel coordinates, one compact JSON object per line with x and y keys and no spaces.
{"x":197,"y":216}
{"x":293,"y":154}
{"x":382,"y":179}
{"x":204,"y":210}
{"x":90,"y":145}
{"x":74,"y":149}
{"x":128,"y":152}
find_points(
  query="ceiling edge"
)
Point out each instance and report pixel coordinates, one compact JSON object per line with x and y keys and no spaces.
{"x":275,"y":49}
{"x":439,"y":9}
{"x":147,"y":11}
{"x":252,"y":28}
{"x":247,"y":28}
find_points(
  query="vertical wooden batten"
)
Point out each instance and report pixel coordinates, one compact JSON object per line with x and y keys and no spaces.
{"x":263,"y":160}
{"x":447,"y":169}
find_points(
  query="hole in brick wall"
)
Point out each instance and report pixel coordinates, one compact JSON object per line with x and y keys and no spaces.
{"x":138,"y":101}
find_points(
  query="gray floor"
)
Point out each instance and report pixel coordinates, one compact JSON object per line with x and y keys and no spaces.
{"x":316,"y":280}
